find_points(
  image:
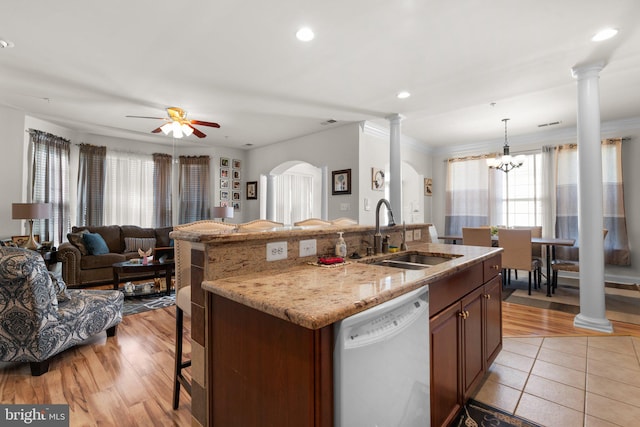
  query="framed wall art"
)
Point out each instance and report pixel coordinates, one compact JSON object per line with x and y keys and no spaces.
{"x":341,"y":182}
{"x":377,"y":179}
{"x":252,"y":190}
{"x":428,"y":186}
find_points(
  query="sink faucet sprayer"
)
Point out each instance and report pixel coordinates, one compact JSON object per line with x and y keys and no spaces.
{"x":377,"y":237}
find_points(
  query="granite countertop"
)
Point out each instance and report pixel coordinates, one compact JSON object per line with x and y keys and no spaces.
{"x":314,"y":296}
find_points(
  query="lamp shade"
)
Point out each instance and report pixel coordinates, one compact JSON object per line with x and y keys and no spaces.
{"x":222,"y":212}
{"x":30,"y":210}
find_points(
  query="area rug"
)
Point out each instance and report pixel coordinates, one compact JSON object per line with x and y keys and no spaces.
{"x":478,"y":414}
{"x":622,"y":302}
{"x":139,"y":304}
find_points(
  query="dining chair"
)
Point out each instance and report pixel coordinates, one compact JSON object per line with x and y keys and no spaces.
{"x":183,"y":294}
{"x":536,"y":248}
{"x":567,"y":265}
{"x":517,"y":254}
{"x":476,"y":236}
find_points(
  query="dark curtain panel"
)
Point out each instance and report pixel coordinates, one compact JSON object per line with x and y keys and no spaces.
{"x":162,"y":190}
{"x":91,"y":182}
{"x":194,"y":189}
{"x":50,"y":184}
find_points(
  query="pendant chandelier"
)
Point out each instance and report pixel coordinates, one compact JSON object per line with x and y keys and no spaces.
{"x":506,"y":162}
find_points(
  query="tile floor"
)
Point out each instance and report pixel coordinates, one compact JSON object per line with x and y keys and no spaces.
{"x":567,"y":381}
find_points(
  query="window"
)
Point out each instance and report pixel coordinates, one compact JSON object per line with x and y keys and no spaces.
{"x":521,"y":203}
{"x":128,"y":197}
{"x":194,"y":189}
{"x":50,"y":184}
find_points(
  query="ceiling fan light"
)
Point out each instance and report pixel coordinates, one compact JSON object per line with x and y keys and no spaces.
{"x":166,"y":128}
{"x":186,"y":129}
{"x":177,"y":132}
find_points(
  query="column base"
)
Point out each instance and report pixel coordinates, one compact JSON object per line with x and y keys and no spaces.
{"x":585,"y":322}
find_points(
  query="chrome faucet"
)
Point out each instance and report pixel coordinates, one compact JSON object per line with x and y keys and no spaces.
{"x":377,"y":237}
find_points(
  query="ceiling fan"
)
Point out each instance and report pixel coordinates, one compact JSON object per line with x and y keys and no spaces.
{"x":177,"y":122}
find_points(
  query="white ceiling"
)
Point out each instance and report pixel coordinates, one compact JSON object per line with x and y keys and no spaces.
{"x":86,"y":65}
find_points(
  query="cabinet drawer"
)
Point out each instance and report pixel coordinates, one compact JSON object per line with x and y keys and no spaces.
{"x":492,"y":267}
{"x":444,"y":292}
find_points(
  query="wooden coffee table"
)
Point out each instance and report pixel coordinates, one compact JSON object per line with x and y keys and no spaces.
{"x":137,"y":267}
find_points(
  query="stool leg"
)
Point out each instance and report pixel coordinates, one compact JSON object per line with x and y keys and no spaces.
{"x":178,"y":358}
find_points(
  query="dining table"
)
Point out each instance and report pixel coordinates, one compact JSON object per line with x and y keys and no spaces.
{"x":549,"y":242}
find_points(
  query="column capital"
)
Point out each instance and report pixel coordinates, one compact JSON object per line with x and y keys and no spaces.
{"x":395,"y":117}
{"x":582,"y":71}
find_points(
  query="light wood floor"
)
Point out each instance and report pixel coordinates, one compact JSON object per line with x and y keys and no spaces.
{"x":127,"y":380}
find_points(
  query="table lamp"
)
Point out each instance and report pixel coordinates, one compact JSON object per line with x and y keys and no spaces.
{"x":30,"y":211}
{"x":222,"y":212}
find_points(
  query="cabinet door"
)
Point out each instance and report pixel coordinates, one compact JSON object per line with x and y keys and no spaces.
{"x":474,"y":363}
{"x":493,"y":319}
{"x":445,"y":360}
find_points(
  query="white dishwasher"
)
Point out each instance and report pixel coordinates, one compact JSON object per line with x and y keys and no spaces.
{"x":381,"y":365}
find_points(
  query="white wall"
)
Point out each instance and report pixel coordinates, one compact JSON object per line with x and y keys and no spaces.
{"x":375,"y":152}
{"x":12,"y":135}
{"x":336,"y":148}
{"x":631,"y":175}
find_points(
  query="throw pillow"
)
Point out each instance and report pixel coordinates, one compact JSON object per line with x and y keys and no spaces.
{"x":76,"y":240}
{"x":95,"y":244}
{"x":132,"y":244}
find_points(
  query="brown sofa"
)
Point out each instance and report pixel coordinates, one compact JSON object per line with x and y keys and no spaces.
{"x":81,"y":269}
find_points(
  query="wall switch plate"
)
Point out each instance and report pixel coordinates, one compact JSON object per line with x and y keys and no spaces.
{"x":409,"y":236}
{"x":417,"y":234}
{"x":345,"y":206}
{"x":276,"y":251}
{"x":367,"y":206}
{"x":308,"y":247}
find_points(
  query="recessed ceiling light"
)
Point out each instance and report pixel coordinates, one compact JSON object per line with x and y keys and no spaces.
{"x":305,"y":34}
{"x":604,"y":34}
{"x":403,"y":95}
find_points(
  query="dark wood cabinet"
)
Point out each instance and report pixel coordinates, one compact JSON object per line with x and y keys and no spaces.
{"x":466,"y":336}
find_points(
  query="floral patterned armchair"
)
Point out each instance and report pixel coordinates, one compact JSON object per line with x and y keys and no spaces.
{"x":40,"y":318}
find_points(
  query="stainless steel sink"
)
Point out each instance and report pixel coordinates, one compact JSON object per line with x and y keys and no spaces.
{"x":414,"y":261}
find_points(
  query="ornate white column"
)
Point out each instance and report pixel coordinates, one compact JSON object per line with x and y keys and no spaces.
{"x":324,"y":210}
{"x":590,"y":210}
{"x":271,"y":197}
{"x":395,"y":166}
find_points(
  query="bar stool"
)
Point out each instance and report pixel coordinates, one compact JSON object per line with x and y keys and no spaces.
{"x":183,"y":295}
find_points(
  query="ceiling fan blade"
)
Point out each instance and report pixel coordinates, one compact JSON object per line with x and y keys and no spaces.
{"x":197,"y":133}
{"x":210,"y":124}
{"x":146,"y":117}
{"x":158,"y":130}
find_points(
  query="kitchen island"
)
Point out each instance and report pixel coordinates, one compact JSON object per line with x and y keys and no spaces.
{"x":268,"y":336}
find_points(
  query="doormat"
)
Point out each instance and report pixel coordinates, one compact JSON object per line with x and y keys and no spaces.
{"x":140,"y":304}
{"x":478,"y":414}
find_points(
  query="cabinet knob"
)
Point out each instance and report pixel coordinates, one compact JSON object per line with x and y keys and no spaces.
{"x":487,"y":296}
{"x":496,"y":267}
{"x":464,"y":314}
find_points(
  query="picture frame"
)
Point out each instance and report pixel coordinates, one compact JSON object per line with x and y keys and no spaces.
{"x":224,"y":195}
{"x":236,"y":164}
{"x":236,"y":206}
{"x":224,"y":173}
{"x":224,"y":162}
{"x":21,"y":240}
{"x":224,"y":183}
{"x":428,"y":186}
{"x":224,"y":203}
{"x":252,"y":190}
{"x":236,"y":185}
{"x":377,"y":179}
{"x":236,"y":174}
{"x":341,"y":182}
{"x":235,"y":195}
